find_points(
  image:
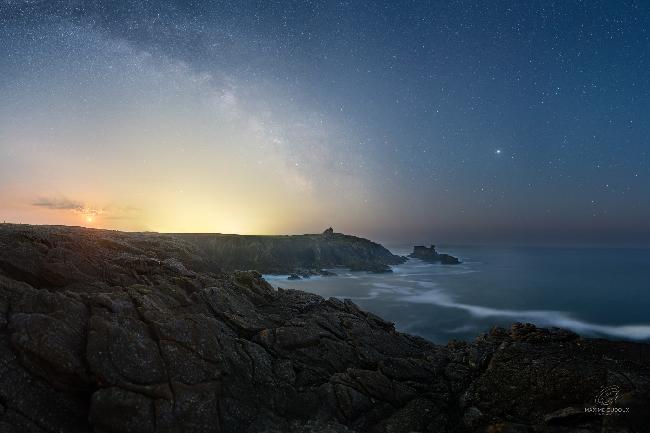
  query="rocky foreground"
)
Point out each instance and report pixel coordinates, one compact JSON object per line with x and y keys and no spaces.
{"x":112,"y":332}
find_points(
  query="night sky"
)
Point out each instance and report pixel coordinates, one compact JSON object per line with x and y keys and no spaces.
{"x":464,"y":121}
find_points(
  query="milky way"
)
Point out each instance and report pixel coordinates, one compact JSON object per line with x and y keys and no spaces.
{"x":451,"y":121}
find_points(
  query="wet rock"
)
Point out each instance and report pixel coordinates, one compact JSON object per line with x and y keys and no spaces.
{"x":326,"y":273}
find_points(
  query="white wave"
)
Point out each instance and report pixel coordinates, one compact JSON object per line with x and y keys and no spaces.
{"x":461,"y":329}
{"x":436,"y":272}
{"x":390,"y":289}
{"x":425,"y":284}
{"x":540,"y":317}
{"x":274,"y":277}
{"x":385,"y":285}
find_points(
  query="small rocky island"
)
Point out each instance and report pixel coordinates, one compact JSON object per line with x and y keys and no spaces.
{"x":110,"y":332}
{"x":432,"y":256}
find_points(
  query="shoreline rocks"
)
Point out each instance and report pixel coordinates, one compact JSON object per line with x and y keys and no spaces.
{"x":305,"y":274}
{"x":111,"y":332}
{"x":432,"y":256}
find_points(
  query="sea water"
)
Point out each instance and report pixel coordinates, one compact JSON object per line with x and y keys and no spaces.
{"x":595,"y":292}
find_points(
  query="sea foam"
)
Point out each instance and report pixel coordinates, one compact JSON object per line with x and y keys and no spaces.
{"x":558,"y":319}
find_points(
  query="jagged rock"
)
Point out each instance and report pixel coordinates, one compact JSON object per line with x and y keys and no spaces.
{"x":431,"y":255}
{"x":447,"y":259}
{"x":326,"y":273}
{"x":141,"y":333}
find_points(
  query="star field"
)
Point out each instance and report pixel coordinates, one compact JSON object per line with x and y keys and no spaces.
{"x":462,"y":121}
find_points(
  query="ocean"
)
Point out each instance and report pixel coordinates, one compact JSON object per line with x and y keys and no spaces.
{"x":596,"y":292}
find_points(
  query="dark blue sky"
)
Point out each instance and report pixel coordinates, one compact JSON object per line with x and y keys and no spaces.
{"x":466,"y":121}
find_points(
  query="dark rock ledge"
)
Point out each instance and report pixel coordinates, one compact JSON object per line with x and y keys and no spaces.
{"x":111,"y":332}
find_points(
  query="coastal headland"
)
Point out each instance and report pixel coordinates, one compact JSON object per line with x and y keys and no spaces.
{"x":111,"y":332}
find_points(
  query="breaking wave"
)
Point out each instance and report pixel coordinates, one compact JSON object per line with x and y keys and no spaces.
{"x":558,"y":319}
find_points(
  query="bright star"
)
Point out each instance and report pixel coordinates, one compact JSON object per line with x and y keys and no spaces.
{"x":498,"y":152}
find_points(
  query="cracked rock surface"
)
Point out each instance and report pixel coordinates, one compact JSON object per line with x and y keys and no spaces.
{"x":111,"y":332}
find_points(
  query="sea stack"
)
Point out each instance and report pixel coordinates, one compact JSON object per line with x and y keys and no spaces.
{"x":432,"y":256}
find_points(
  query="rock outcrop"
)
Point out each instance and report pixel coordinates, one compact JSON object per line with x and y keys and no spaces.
{"x":432,"y":256}
{"x":113,"y":332}
{"x":299,"y":254}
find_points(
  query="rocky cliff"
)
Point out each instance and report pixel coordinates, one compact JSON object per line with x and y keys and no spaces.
{"x":292,"y":254}
{"x":112,"y":332}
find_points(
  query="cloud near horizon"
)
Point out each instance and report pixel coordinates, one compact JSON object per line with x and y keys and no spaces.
{"x":63,"y":204}
{"x":58,"y":204}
